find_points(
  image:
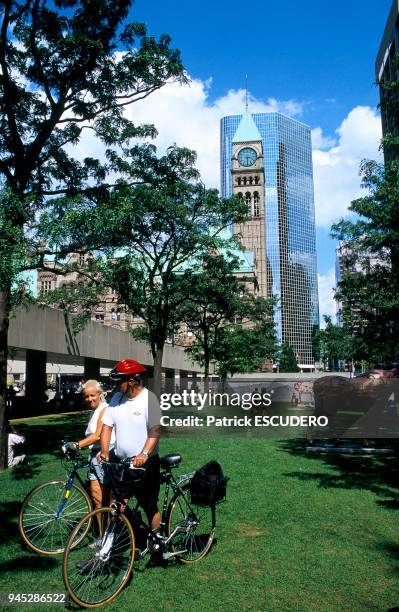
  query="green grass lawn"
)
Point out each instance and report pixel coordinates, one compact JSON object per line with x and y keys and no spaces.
{"x":298,"y":532}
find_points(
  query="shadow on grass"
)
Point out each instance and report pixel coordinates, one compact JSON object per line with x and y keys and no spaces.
{"x":8,"y":526}
{"x":378,"y":474}
{"x":391,"y":549}
{"x":36,"y":563}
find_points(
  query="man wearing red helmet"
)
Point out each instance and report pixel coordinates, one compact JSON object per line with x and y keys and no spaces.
{"x":134,"y":414}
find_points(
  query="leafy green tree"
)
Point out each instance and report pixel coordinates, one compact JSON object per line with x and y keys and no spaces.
{"x":248,"y":349}
{"x":336,"y":344}
{"x":165,"y":247}
{"x":287,"y":359}
{"x":66,"y":69}
{"x":217,"y":297}
{"x":373,"y":238}
{"x":159,"y":234}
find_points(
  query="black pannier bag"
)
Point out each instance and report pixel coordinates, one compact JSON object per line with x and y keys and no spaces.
{"x":208,"y":486}
{"x":125,"y":481}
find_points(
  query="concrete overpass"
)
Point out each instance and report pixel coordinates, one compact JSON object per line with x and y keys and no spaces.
{"x":41,"y":334}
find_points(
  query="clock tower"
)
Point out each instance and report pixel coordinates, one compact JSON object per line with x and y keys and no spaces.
{"x":248,"y":183}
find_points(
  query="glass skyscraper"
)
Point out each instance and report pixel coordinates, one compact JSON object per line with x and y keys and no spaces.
{"x":286,"y":215}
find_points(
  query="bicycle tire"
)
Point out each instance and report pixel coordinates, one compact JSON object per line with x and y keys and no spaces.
{"x":197,"y":541}
{"x":38,"y":525}
{"x":96,"y":570}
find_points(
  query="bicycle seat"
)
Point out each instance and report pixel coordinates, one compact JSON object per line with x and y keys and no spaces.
{"x":170,"y":461}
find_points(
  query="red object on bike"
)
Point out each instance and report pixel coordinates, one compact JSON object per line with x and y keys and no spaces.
{"x":127,"y":368}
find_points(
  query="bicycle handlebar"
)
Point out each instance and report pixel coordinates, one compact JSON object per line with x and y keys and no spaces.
{"x":125,"y":462}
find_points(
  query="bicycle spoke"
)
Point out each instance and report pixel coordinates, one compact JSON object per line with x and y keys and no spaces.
{"x":198,"y":524}
{"x":39,"y":524}
{"x":95,"y":575}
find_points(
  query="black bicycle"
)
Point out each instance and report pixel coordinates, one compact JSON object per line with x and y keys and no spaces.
{"x":52,"y":509}
{"x":100,"y":552}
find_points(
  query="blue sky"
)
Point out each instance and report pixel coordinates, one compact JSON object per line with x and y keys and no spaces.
{"x":312,"y":51}
{"x":311,"y":60}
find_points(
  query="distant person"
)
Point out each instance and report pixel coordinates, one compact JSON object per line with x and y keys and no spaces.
{"x":10,"y":395}
{"x":14,"y":439}
{"x":20,"y":392}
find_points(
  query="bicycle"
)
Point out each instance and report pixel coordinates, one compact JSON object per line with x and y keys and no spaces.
{"x":96,"y":570}
{"x":51,"y":510}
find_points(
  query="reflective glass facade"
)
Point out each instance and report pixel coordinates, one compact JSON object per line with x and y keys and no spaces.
{"x":289,"y":223}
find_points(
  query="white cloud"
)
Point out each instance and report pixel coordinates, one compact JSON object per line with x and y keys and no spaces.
{"x":326,"y":295}
{"x":184,"y":115}
{"x":336,"y":163}
{"x":319,"y":141}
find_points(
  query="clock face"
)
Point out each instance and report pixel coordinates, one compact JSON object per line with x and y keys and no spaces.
{"x":247,"y":156}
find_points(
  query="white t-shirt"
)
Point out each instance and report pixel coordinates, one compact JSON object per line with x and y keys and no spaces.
{"x":92,"y":426}
{"x":132,"y":419}
{"x":13,"y":440}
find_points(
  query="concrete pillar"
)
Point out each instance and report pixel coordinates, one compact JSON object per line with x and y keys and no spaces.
{"x":169,"y":380}
{"x":195,"y":382}
{"x":148,"y":378}
{"x":35,"y":381}
{"x":183,"y":382}
{"x":91,"y":368}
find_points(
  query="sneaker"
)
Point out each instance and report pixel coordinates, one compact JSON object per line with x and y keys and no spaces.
{"x":106,"y":545}
{"x":96,"y":544}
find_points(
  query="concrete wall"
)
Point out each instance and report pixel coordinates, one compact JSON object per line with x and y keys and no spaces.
{"x":50,"y":330}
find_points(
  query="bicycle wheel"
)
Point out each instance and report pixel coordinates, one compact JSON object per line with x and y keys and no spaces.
{"x":197,"y":524}
{"x":41,"y":527}
{"x":98,"y":568}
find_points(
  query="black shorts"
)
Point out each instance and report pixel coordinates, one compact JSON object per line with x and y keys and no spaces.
{"x":147,"y":494}
{"x":146,"y":491}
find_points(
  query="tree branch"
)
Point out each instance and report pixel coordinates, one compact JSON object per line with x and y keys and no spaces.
{"x":35,"y":53}
{"x":130,"y":99}
{"x":7,"y":84}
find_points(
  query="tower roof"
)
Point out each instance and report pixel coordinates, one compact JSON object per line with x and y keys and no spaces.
{"x":247,"y":130}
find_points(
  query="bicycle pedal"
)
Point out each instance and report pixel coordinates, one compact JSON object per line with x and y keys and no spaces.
{"x":169,"y":555}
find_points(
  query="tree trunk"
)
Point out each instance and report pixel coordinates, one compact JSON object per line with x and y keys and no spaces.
{"x":158,"y":371}
{"x":206,"y":375}
{"x":5,"y":295}
{"x":206,"y":362}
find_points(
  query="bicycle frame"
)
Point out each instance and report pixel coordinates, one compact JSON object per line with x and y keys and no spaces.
{"x":160,"y":541}
{"x":68,"y":486}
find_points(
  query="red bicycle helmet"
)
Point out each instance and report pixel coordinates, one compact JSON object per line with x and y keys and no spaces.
{"x":126,"y":369}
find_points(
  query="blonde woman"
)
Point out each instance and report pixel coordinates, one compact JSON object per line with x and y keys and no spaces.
{"x":93,"y":397}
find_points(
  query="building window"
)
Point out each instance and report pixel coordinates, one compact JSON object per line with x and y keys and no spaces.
{"x":113,"y":314}
{"x":251,"y":180}
{"x":256,"y":204}
{"x":256,"y":180}
{"x":118,"y":314}
{"x":248,"y":203}
{"x":47,"y":285}
{"x":244,"y":180}
{"x":240,"y":195}
{"x":239,"y":181}
{"x":99,"y":317}
{"x":81,"y":259}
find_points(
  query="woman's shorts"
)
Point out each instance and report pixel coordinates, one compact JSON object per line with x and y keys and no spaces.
{"x":96,"y":471}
